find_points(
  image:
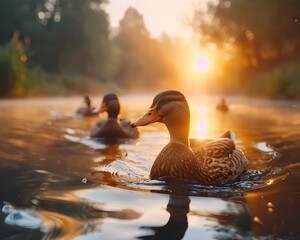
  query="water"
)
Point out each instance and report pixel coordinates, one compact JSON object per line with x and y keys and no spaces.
{"x":56,"y":183}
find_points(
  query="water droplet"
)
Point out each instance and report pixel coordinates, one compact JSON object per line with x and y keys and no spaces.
{"x":257,"y":219}
{"x":70,"y":131}
{"x":35,"y":201}
{"x":84,"y":180}
{"x":7,"y":208}
{"x":270,"y":209}
{"x":42,"y":171}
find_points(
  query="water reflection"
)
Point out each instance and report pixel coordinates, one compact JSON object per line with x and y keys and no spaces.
{"x":178,"y":207}
{"x":110,"y":153}
{"x":70,"y":217}
{"x":202,"y":123}
{"x":232,"y":223}
{"x":274,"y":213}
{"x":102,"y":171}
{"x":44,"y":159}
{"x":223,"y":220}
{"x":113,"y":168}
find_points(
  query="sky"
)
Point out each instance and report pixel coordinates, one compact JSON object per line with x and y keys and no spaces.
{"x":159,"y":15}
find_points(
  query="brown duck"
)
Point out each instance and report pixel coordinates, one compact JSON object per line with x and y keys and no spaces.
{"x":88,"y":110}
{"x":210,"y":162}
{"x":113,"y":127}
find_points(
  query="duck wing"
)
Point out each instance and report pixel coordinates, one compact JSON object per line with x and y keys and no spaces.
{"x":220,"y":160}
{"x":112,"y":129}
{"x":220,"y":147}
{"x":87,"y":111}
{"x":97,"y":130}
{"x":196,"y":143}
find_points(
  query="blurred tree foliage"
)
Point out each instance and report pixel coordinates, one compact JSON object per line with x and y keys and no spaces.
{"x":144,"y":63}
{"x":66,"y":37}
{"x":260,"y":41}
{"x":68,"y":45}
{"x":13,"y":70}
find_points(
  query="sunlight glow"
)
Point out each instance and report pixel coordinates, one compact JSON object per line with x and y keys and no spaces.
{"x":202,"y":123}
{"x":172,"y":22}
{"x":201,"y":63}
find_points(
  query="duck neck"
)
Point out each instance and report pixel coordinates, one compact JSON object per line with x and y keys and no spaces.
{"x":113,"y":109}
{"x":113,"y":118}
{"x":179,"y":133}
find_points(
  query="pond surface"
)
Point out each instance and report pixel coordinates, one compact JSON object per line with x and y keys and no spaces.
{"x":56,"y":183}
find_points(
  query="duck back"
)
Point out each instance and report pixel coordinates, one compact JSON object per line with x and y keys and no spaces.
{"x":221,"y":161}
{"x":108,"y":129}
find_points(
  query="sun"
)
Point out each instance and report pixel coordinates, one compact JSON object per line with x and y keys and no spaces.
{"x":201,"y":63}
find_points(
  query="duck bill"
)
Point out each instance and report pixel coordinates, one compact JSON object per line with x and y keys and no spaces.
{"x":103,"y":108}
{"x":151,"y":116}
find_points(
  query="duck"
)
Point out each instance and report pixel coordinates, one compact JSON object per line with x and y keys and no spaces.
{"x":113,"y":127}
{"x":222,"y":106}
{"x":88,"y":110}
{"x":209,"y":162}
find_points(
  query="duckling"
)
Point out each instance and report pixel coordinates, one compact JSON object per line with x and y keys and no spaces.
{"x":210,"y":162}
{"x":112,"y":127}
{"x":88,"y":110}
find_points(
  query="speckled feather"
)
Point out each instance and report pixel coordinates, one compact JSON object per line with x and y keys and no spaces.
{"x":220,"y":159}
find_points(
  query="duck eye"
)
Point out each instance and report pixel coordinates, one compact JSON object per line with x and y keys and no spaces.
{"x":149,"y":113}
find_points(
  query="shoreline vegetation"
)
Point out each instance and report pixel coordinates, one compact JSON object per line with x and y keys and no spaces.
{"x":61,"y":48}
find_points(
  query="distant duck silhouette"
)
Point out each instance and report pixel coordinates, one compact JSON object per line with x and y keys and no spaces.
{"x":112,"y":127}
{"x":210,"y":162}
{"x":88,"y":110}
{"x":222,"y":106}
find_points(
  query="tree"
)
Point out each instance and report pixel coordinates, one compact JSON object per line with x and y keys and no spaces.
{"x":13,"y":70}
{"x":263,"y":38}
{"x":143,"y":61}
{"x":256,"y":37}
{"x":79,"y":33}
{"x":67,"y":39}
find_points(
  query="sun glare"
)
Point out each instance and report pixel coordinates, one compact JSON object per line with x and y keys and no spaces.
{"x":201,"y":63}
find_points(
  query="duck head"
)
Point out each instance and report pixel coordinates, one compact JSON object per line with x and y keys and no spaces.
{"x":111,"y":105}
{"x":87,"y":101}
{"x":170,"y":108}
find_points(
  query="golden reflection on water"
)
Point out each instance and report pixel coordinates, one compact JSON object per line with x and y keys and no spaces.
{"x":258,"y":220}
{"x":199,"y":122}
{"x":206,"y":122}
{"x":199,"y":125}
{"x":163,"y":216}
{"x":269,"y":182}
{"x":273,"y":212}
{"x":69,"y":226}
